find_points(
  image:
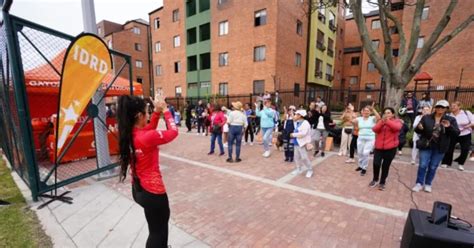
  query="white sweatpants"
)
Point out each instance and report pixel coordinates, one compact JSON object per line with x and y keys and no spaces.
{"x":302,"y":159}
{"x":364,"y":147}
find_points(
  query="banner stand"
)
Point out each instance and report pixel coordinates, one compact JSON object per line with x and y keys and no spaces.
{"x":55,"y":197}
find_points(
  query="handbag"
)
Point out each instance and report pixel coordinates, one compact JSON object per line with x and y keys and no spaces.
{"x":216,"y":129}
{"x":423,"y":143}
{"x":348,"y":130}
{"x":309,"y":147}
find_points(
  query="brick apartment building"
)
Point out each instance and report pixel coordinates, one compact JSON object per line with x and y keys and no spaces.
{"x":229,"y":47}
{"x":131,"y":38}
{"x":445,"y":66}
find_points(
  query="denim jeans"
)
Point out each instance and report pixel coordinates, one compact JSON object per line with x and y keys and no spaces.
{"x":235,"y":135}
{"x":429,"y":161}
{"x":219,"y":141}
{"x":267,"y":138}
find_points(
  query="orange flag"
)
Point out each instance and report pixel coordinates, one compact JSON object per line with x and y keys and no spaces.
{"x":86,"y":62}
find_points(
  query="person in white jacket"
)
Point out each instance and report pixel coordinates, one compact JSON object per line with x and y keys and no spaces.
{"x":302,"y":138}
{"x":426,"y":110}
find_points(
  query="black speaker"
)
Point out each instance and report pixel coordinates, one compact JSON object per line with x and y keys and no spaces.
{"x":420,"y":232}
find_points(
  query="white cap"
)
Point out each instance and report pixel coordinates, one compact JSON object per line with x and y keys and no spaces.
{"x":442,"y":103}
{"x":301,"y":112}
{"x":292,"y":107}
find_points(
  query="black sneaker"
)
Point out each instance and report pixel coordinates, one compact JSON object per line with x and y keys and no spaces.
{"x":229,"y":160}
{"x":315,"y":153}
{"x":210,"y":153}
{"x":382,"y":186}
{"x":362,"y":172}
{"x":373,"y":184}
{"x":222,"y":154}
{"x":358,"y":169}
{"x":322,"y":154}
{"x":287,"y":159}
{"x":291,"y":160}
{"x":238,"y":160}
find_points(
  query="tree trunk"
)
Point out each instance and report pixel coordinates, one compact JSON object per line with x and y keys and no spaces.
{"x":393,"y":96}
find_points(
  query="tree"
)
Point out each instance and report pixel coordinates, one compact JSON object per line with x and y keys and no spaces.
{"x":397,"y":74}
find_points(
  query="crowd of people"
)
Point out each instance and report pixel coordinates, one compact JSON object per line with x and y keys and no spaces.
{"x":437,"y":129}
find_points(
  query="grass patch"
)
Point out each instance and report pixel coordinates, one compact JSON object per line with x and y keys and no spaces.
{"x":19,"y":225}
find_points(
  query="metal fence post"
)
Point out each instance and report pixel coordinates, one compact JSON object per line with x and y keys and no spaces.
{"x":228,"y":100}
{"x":348,"y":95}
{"x":456,"y":92}
{"x":250,"y":99}
{"x":446,"y":95}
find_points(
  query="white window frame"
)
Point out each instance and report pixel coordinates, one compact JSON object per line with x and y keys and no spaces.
{"x":223,"y":88}
{"x":298,"y":59}
{"x":224,"y":59}
{"x":426,"y":13}
{"x":223,"y":28}
{"x":158,"y":70}
{"x":157,"y":47}
{"x":156,"y":23}
{"x":421,"y":42}
{"x":175,"y":15}
{"x":259,"y":53}
{"x":377,"y":26}
{"x":176,"y":41}
{"x":262,"y":14}
{"x":136,"y":30}
{"x":138,"y":63}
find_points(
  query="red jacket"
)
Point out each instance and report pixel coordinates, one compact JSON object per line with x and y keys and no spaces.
{"x":218,"y":118}
{"x":147,"y":141}
{"x":386,"y":134}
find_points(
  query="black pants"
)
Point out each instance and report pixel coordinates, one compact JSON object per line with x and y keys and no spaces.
{"x":353,"y":146}
{"x":288,"y":147}
{"x":383,"y":158}
{"x":249,"y":132}
{"x":200,"y":124}
{"x":157,"y":214}
{"x":465,"y":142}
{"x":401,"y":144}
{"x":188,"y":124}
{"x":411,"y":116}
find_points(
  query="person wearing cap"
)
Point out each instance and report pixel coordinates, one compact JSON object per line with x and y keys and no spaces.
{"x":237,"y":122}
{"x":267,"y":124}
{"x":288,"y":128}
{"x":465,"y":121}
{"x":436,"y":131}
{"x":302,"y":138}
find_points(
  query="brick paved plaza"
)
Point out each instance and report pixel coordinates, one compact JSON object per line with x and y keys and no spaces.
{"x":258,"y":203}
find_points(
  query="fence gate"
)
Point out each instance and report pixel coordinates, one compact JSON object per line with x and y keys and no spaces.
{"x":31,"y":63}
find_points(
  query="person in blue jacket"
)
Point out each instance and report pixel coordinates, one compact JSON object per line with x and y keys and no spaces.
{"x":267,"y":123}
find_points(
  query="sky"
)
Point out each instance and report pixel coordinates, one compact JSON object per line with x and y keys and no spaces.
{"x":66,"y":15}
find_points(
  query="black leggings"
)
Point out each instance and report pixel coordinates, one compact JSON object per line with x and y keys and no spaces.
{"x":383,"y":158}
{"x":465,"y":142}
{"x":353,"y":146}
{"x":249,"y":131}
{"x":157,"y":214}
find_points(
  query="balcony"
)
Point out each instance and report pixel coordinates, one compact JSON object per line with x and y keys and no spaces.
{"x":332,"y":26}
{"x":329,"y":77}
{"x":331,"y":52}
{"x":320,"y":46}
{"x":321,"y":17}
{"x":318,"y":74}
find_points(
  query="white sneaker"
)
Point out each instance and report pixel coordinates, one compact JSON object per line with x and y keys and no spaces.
{"x":309,"y":173}
{"x":461,"y":168}
{"x":413,"y":162}
{"x":428,"y":188}
{"x":296,"y":171}
{"x":417,"y":188}
{"x":225,"y":145}
{"x":198,"y":134}
{"x":444,"y":166}
{"x":351,"y":160}
{"x":251,"y":143}
{"x":340,"y":154}
{"x":203,"y":134}
{"x":266,"y":154}
{"x":471,"y":159}
{"x":400,"y":153}
{"x":244,"y":143}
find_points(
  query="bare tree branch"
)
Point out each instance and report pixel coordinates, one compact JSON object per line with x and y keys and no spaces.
{"x":415,"y":33}
{"x":365,"y":38}
{"x":399,"y":27}
{"x":386,"y":35}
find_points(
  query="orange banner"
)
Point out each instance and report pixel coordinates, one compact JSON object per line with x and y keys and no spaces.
{"x":86,"y":63}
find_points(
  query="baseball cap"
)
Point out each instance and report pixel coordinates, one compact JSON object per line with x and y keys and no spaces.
{"x":301,"y":112}
{"x":442,"y":103}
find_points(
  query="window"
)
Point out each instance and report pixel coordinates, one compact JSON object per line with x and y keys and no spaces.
{"x":176,"y":41}
{"x":395,"y":52}
{"x":158,"y":71}
{"x":353,"y":80}
{"x":299,"y":28}
{"x":138,"y":64}
{"x":138,"y":46}
{"x":330,"y":47}
{"x":298,"y":59}
{"x":370,"y":86}
{"x":223,"y":28}
{"x":259,"y":53}
{"x":332,"y":21}
{"x":204,"y":5}
{"x":157,"y":23}
{"x":157,"y":47}
{"x":223,"y":59}
{"x":376,"y":24}
{"x":221,"y":1}
{"x":355,"y":60}
{"x":258,"y":86}
{"x":192,"y":36}
{"x":205,"y":32}
{"x":425,"y":13}
{"x":393,"y":30}
{"x":223,"y":89}
{"x":192,"y":63}
{"x":177,"y":66}
{"x":260,"y":17}
{"x":175,"y":15}
{"x":370,"y":66}
{"x":109,"y":44}
{"x":375,"y":44}
{"x":139,"y":80}
{"x":136,"y":30}
{"x":190,"y":7}
{"x":319,"y":68}
{"x":421,"y":42}
{"x":99,"y":31}
{"x":320,"y":40}
{"x":178,"y":91}
{"x":296,"y":90}
{"x":205,"y":60}
{"x":329,"y":75}
{"x":322,"y":13}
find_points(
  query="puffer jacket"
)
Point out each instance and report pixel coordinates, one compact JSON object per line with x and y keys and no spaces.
{"x":386,"y":134}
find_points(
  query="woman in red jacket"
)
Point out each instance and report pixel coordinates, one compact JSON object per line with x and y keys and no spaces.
{"x":386,"y":132}
{"x":139,"y":148}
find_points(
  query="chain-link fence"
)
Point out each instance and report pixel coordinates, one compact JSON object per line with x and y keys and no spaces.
{"x":29,"y":103}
